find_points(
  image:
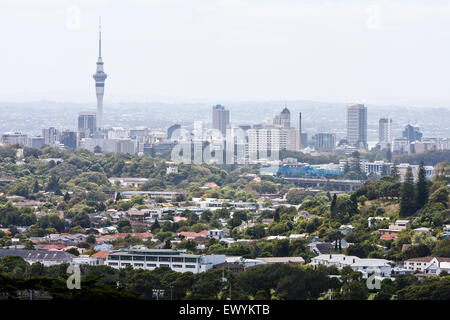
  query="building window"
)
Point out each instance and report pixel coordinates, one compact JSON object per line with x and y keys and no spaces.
{"x":163,"y":265}
{"x":167,"y":259}
{"x":147,"y":258}
{"x":112,"y":257}
{"x":138,"y":264}
{"x":138,"y":258}
{"x":190,"y":266}
{"x":191,"y":259}
{"x":113,"y":264}
{"x":177,"y":266}
{"x":151,"y":265}
{"x":126,"y":264}
{"x":176,"y":259}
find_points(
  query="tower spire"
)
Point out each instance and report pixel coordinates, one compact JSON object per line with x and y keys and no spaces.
{"x":100,"y":37}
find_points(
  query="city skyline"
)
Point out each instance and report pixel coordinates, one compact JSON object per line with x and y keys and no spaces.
{"x":174,"y":70}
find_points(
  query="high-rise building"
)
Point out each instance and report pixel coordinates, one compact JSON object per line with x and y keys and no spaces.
{"x":283,"y":119}
{"x":87,"y":124}
{"x":100,"y":77}
{"x":412,"y":133}
{"x":69,"y":139}
{"x":51,"y":136}
{"x":357,"y":125}
{"x":304,"y":140}
{"x":324,"y":141}
{"x":266,"y":140}
{"x":220,"y":118}
{"x":172,"y":132}
{"x":300,"y":137}
{"x":385,"y":132}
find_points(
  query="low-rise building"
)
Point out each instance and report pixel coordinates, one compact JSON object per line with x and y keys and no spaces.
{"x":380,"y":267}
{"x":346,"y":228}
{"x":216,"y":234}
{"x":47,"y":258}
{"x":153,"y":258}
{"x":432,"y":265}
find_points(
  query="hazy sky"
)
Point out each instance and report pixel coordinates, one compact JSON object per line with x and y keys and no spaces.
{"x":217,"y":50}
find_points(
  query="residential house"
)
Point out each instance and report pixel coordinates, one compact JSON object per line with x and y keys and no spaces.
{"x":346,"y":228}
{"x":380,"y":267}
{"x":216,"y":234}
{"x":423,"y":230}
{"x":431,"y":264}
{"x":320,"y":247}
{"x":47,"y":258}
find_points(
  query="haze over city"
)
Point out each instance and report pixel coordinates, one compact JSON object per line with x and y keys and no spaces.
{"x":374,"y":52}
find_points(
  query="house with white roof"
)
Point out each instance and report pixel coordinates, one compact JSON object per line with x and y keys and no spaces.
{"x":346,"y":228}
{"x":379,"y":267}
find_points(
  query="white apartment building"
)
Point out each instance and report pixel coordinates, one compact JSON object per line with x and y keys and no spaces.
{"x":261,"y":141}
{"x":401,"y":145}
{"x":357,"y":125}
{"x":385,"y":132}
{"x":153,"y":258}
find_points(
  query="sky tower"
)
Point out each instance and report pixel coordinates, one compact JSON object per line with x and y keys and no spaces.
{"x":100,"y":78}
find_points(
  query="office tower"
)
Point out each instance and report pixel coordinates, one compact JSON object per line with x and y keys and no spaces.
{"x":51,"y":136}
{"x":304,"y":140}
{"x":412,"y":133}
{"x":100,"y":78}
{"x":357,"y":125}
{"x":69,"y":139}
{"x":220,"y":118}
{"x":283,"y":119}
{"x":300,"y":140}
{"x":172,"y":132}
{"x":324,"y":141}
{"x":87,"y":124}
{"x":15,"y":138}
{"x":293,"y":139}
{"x":385,"y":132}
{"x":36,"y":142}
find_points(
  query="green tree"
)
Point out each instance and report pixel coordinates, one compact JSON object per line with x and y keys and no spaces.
{"x":388,"y":153}
{"x":395,"y":174}
{"x":36,"y":186}
{"x":155,"y":226}
{"x":53,"y":184}
{"x":440,"y":196}
{"x":422,"y":187}
{"x":408,"y":195}
{"x":124,"y":226}
{"x":333,"y":206}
